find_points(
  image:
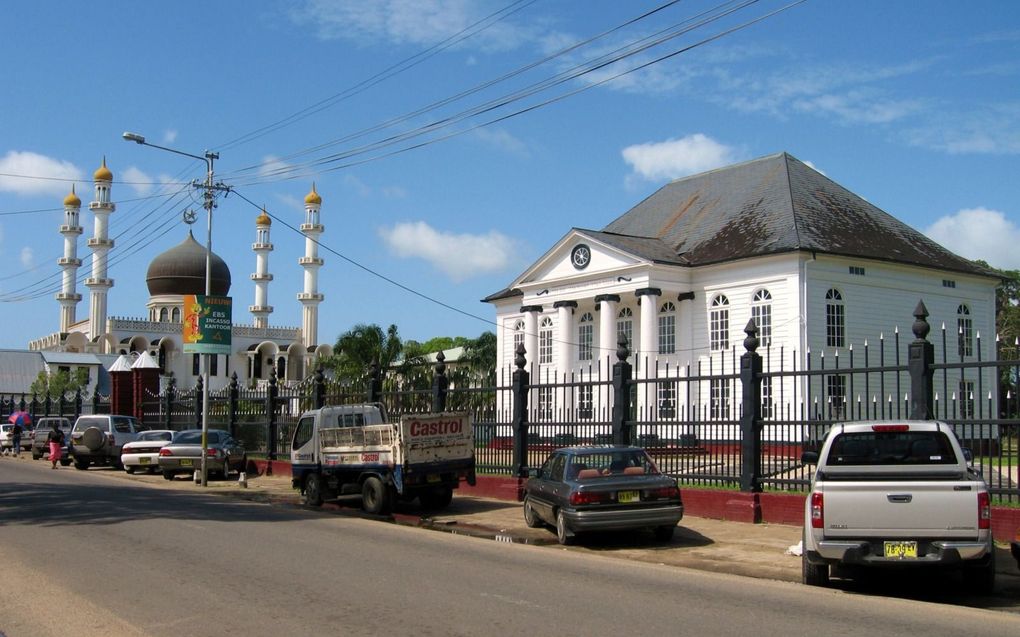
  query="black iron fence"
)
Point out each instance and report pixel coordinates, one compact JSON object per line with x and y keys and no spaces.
{"x":731,"y":419}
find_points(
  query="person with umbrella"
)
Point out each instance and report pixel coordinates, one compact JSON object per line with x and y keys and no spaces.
{"x":20,"y":420}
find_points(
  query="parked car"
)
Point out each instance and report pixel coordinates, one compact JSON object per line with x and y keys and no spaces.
{"x":98,"y":439}
{"x":601,"y":488}
{"x":1014,"y":547}
{"x":184,"y":453}
{"x":41,"y":442}
{"x":143,"y":454}
{"x":6,"y":443}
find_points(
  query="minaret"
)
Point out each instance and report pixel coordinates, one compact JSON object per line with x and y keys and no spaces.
{"x":101,"y":243}
{"x":71,"y":229}
{"x":262,"y":247}
{"x":311,"y":262}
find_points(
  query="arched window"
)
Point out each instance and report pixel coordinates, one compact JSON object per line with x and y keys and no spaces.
{"x":761,"y":314}
{"x":545,"y":341}
{"x":625,"y":326}
{"x":667,"y":328}
{"x":585,"y":337}
{"x":835,"y":319}
{"x":719,"y":324}
{"x":175,"y":315}
{"x":163,"y":315}
{"x":964,"y":331}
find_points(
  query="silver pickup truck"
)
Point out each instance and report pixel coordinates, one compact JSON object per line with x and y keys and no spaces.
{"x":896,"y":495}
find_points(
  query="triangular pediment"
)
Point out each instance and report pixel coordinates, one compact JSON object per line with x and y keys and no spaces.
{"x":586,"y":253}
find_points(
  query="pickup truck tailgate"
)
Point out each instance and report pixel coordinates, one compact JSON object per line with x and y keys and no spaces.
{"x":938,"y":508}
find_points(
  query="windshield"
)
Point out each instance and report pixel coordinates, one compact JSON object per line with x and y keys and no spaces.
{"x":92,"y":421}
{"x":195,"y":438}
{"x":156,"y":435}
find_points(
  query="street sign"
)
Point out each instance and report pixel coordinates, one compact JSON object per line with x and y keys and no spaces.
{"x":207,"y":323}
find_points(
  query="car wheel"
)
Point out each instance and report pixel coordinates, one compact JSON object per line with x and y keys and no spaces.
{"x":313,"y":490}
{"x":168,"y":475}
{"x":812,"y":574}
{"x":129,"y":468}
{"x":981,"y":579}
{"x":530,"y":517}
{"x":664,"y":533}
{"x":81,"y":465}
{"x":375,"y":497}
{"x":563,"y":534}
{"x":65,"y":462}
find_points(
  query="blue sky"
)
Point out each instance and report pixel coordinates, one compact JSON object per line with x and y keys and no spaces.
{"x":912,"y":105}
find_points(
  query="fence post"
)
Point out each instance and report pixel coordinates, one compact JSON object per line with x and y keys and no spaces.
{"x":77,"y":403}
{"x":21,"y":405}
{"x":198,"y":403}
{"x":47,"y":404}
{"x":920,"y":358}
{"x":319,"y":388}
{"x":440,"y":385}
{"x":374,"y":387}
{"x":271,"y":415}
{"x":750,"y":418}
{"x":233,"y":394}
{"x":95,"y":400}
{"x":60,"y":404}
{"x":623,"y":430}
{"x":168,"y":402}
{"x":519,"y":386}
{"x":32,"y":406}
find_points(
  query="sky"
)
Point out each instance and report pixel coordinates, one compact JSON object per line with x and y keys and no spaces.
{"x":453,"y":142}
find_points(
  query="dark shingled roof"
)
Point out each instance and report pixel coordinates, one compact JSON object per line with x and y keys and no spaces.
{"x":766,"y":206}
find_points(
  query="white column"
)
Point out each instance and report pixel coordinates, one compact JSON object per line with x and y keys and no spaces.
{"x":564,"y":340}
{"x":649,"y":336}
{"x":607,"y":304}
{"x":531,"y":313}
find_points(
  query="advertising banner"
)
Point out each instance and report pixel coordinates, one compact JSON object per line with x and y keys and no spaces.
{"x":207,"y":323}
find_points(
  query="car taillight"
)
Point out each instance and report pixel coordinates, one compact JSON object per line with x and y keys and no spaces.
{"x":665,"y":493}
{"x":984,"y":511}
{"x":890,"y":428}
{"x":212,"y":453}
{"x":817,"y":511}
{"x":165,"y":452}
{"x":111,"y":439}
{"x":588,"y":497}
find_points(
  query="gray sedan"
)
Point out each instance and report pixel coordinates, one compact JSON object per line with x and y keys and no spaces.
{"x":601,"y":488}
{"x":184,"y":453}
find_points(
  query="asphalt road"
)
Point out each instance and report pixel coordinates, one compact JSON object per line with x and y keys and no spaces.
{"x":85,"y":553}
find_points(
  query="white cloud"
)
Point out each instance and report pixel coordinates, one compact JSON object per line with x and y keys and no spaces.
{"x":980,"y":233}
{"x":169,"y":136}
{"x":271,"y":165}
{"x":27,"y":257}
{"x":394,"y":192}
{"x":418,"y":22}
{"x":989,"y":129}
{"x":47,"y":176}
{"x":673,"y":158}
{"x":140,"y":181}
{"x":459,"y":256}
{"x":499,"y":138}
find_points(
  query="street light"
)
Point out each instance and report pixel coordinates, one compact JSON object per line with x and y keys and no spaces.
{"x":210,"y":203}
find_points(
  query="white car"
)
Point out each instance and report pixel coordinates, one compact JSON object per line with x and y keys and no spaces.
{"x":143,"y":454}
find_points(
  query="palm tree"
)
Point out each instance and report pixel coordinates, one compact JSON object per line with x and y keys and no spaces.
{"x":361,"y":346}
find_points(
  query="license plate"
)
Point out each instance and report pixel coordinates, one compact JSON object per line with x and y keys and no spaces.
{"x":901,"y":550}
{"x":185,"y":462}
{"x":143,"y":461}
{"x":433,"y":477}
{"x":628,"y":496}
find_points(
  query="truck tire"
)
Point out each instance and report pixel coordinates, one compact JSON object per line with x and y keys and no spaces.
{"x":812,"y":574}
{"x":375,"y":497}
{"x":81,"y":465}
{"x":436,"y":499}
{"x":313,"y":490}
{"x":981,"y":579}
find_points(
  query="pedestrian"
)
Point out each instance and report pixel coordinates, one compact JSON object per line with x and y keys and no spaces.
{"x":16,"y":439}
{"x":56,"y":440}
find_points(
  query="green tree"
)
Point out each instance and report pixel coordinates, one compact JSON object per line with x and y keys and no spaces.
{"x":1007,"y":327}
{"x":59,"y":383}
{"x":357,"y":348}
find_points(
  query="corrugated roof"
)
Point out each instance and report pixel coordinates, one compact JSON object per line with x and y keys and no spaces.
{"x":70,"y":358}
{"x":19,"y":369}
{"x":771,"y":205}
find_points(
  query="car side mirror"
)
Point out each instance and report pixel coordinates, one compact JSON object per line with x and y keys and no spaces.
{"x":532,"y":473}
{"x":968,"y":455}
{"x":809,"y":457}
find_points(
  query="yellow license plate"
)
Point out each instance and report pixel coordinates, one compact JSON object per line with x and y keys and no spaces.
{"x":143,"y":461}
{"x":901,"y":550}
{"x":185,"y":462}
{"x":628,"y":496}
{"x":433,"y":477}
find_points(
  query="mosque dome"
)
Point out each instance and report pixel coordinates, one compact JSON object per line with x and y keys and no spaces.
{"x":72,"y":200}
{"x":181,"y":270}
{"x":313,"y":197}
{"x":102,"y":173}
{"x":263,"y":219}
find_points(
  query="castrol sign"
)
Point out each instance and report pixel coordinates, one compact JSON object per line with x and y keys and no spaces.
{"x":437,"y":437}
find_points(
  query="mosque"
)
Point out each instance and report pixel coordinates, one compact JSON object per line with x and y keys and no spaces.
{"x":257,"y":349}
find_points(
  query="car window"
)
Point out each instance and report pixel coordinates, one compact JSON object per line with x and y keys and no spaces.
{"x":559,"y":461}
{"x":614,"y":463}
{"x":156,"y":435}
{"x":350,"y":420}
{"x":188,"y":438}
{"x":123,"y":425}
{"x":303,"y":432}
{"x":101,"y":422}
{"x":891,"y":448}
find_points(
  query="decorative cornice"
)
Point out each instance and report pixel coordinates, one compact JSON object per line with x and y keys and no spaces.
{"x":531,"y":308}
{"x":685,"y":296}
{"x":607,"y":297}
{"x":558,"y":304}
{"x":648,"y":292}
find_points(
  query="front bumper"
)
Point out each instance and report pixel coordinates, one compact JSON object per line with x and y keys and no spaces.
{"x":870,"y":553}
{"x":623,"y":519}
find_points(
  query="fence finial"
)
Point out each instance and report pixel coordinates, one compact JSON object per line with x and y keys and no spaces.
{"x":751,"y":341}
{"x":519,"y":359}
{"x":622,"y":349}
{"x":440,"y":363}
{"x":921,"y":327}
